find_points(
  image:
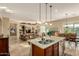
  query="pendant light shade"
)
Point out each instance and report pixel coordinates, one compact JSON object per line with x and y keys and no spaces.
{"x":66,"y":14}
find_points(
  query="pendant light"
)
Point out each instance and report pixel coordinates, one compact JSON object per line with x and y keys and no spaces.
{"x":46,"y":15}
{"x":40,"y":13}
{"x":50,"y":13}
{"x":66,"y":20}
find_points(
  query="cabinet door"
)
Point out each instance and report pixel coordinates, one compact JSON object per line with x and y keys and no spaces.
{"x":36,"y":51}
{"x":4,"y":45}
{"x":1,"y":46}
{"x":48,"y":51}
{"x":56,"y":49}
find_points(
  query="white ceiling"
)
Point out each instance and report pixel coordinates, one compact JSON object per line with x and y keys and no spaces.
{"x":30,"y":11}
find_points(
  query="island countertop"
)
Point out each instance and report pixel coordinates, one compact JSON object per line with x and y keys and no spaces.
{"x":43,"y":46}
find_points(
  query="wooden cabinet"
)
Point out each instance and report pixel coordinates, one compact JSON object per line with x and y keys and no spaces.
{"x":52,"y":50}
{"x":48,"y":51}
{"x":56,"y":49}
{"x":4,"y":47}
{"x":36,"y":51}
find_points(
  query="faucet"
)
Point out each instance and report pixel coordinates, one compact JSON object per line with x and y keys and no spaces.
{"x":43,"y":36}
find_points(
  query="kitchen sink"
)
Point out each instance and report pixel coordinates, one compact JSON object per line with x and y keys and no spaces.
{"x":46,"y":41}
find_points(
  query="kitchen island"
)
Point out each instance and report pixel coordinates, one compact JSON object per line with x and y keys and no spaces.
{"x":48,"y":47}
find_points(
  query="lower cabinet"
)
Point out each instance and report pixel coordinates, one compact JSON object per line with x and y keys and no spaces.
{"x":56,"y":49}
{"x":36,"y":51}
{"x":4,"y":47}
{"x":48,"y":51}
{"x":52,"y":50}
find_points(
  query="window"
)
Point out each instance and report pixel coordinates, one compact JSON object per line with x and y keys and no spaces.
{"x":76,"y":29}
{"x":69,"y":28}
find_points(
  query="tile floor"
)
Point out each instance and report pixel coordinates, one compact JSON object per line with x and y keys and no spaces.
{"x":23,"y":49}
{"x":20,"y":49}
{"x":71,"y":49}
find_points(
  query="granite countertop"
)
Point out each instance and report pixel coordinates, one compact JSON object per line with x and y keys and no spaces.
{"x":43,"y":46}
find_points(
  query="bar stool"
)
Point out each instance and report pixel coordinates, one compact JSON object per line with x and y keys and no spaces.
{"x":76,"y":42}
{"x":69,"y":47}
{"x":76,"y":45}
